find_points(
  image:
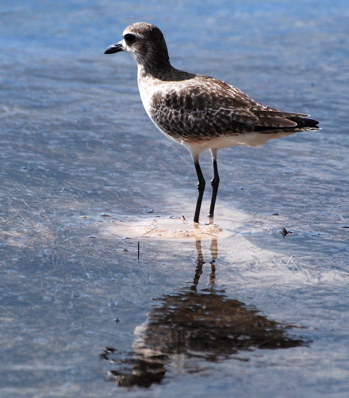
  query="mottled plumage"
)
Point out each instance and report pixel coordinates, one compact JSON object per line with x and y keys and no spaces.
{"x":200,"y":112}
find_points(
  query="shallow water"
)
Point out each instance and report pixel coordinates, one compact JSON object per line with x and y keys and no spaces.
{"x":103,"y":281}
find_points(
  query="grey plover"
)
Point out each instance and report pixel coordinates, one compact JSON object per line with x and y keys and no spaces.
{"x":197,"y":111}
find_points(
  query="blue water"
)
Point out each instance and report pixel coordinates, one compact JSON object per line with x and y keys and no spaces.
{"x":84,"y":310}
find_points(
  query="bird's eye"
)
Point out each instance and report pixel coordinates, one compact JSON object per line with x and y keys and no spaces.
{"x":129,"y":38}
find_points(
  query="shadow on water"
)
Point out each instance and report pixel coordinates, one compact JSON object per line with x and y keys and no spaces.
{"x":191,"y":327}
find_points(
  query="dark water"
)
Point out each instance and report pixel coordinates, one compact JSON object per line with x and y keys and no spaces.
{"x":87,"y":312}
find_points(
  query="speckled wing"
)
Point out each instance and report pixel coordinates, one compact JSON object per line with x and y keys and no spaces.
{"x":202,"y":107}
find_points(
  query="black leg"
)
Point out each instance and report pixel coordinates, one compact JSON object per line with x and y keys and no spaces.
{"x":215,"y":184}
{"x":201,"y":189}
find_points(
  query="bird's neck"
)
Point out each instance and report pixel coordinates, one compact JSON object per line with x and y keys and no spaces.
{"x":165,"y":72}
{"x":156,"y":69}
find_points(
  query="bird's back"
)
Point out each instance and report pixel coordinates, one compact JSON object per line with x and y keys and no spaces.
{"x":190,"y":107}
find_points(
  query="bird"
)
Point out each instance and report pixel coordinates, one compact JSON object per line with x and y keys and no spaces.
{"x":200,"y":112}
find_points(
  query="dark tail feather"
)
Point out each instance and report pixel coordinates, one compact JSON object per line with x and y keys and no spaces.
{"x":304,"y":122}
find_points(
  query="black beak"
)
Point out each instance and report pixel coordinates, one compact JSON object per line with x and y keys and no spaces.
{"x":115,"y":48}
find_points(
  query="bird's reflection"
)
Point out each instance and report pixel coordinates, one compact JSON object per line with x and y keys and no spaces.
{"x":193,"y":326}
{"x":200,"y":262}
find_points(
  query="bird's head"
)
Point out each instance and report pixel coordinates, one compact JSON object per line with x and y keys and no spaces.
{"x":145,"y":42}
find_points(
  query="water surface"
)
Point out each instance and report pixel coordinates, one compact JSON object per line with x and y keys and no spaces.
{"x":105,"y":290}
